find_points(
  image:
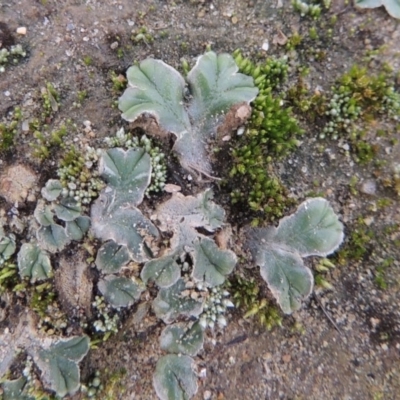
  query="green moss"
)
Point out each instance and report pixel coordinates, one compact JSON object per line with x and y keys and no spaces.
{"x":87,"y":60}
{"x":119,"y":82}
{"x":246,"y":296}
{"x":46,"y":142}
{"x":9,"y":130}
{"x":8,"y":275}
{"x":380,"y":272}
{"x":271,"y":134}
{"x":359,"y":95}
{"x":358,"y":243}
{"x":50,"y":100}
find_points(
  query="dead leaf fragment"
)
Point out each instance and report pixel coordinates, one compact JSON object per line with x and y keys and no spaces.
{"x":280,"y":38}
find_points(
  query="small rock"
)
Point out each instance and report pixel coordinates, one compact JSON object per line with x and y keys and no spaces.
{"x":234,"y":20}
{"x":171,"y":188}
{"x":265,"y":45}
{"x":286,"y":358}
{"x":114,"y":45}
{"x":368,"y":187}
{"x":21,"y":30}
{"x":207,"y":395}
{"x":16,"y":182}
{"x":70,"y":27}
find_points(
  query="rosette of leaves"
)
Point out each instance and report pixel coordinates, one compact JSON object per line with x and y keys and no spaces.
{"x":313,"y":230}
{"x":127,"y":233}
{"x":183,"y":216}
{"x":52,"y":236}
{"x":34,"y":262}
{"x":114,"y":214}
{"x":215,"y":86}
{"x":392,"y":6}
{"x":57,"y":360}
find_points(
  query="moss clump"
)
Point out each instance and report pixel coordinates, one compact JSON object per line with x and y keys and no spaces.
{"x":359,"y":95}
{"x":8,"y":275}
{"x":358,"y":243}
{"x":8,"y":131}
{"x":43,"y":300}
{"x":50,"y":100}
{"x":246,"y":295}
{"x":78,"y":176}
{"x":271,"y":134}
{"x":44,"y":141}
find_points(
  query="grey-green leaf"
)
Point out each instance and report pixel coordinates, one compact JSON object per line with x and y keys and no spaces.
{"x":174,"y":301}
{"x":211,"y":264}
{"x":182,"y":338}
{"x":288,"y":279}
{"x":164,"y":271}
{"x":52,"y":189}
{"x":33,"y":262}
{"x":120,"y":291}
{"x":155,"y":88}
{"x":7,"y":247}
{"x":43,"y":214}
{"x":52,"y":238}
{"x":196,"y":212}
{"x":128,"y":172}
{"x":111,"y":257}
{"x":392,"y":6}
{"x":68,"y":209}
{"x":73,"y":349}
{"x":174,"y":378}
{"x":59,"y":366}
{"x":314,"y":229}
{"x":77,"y":228}
{"x":125,"y":226}
{"x":14,"y":389}
{"x":216,"y":86}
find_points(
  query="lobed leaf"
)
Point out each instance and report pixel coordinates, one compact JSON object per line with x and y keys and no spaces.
{"x":125,"y":226}
{"x":43,"y":214}
{"x":288,"y":279}
{"x":77,"y":228}
{"x":211,"y":264}
{"x":216,"y":86}
{"x":15,"y":389}
{"x":52,"y":238}
{"x":52,"y":189}
{"x":156,"y":88}
{"x":111,"y":257}
{"x":164,"y":271}
{"x":182,"y":338}
{"x":7,"y":247}
{"x":314,"y":229}
{"x":392,"y":6}
{"x":173,"y":301}
{"x":128,"y":172}
{"x":68,"y":209}
{"x":59,"y":366}
{"x":174,"y":378}
{"x":120,"y":291}
{"x":33,"y":262}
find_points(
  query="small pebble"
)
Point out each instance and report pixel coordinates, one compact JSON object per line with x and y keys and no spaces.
{"x":265,"y":45}
{"x":368,"y":187}
{"x":114,"y":45}
{"x":21,"y":30}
